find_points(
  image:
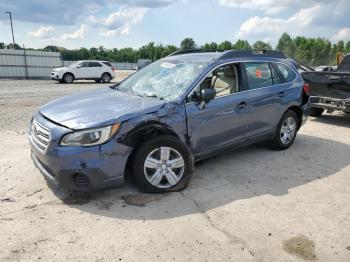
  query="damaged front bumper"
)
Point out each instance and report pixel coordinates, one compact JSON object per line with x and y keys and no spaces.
{"x":76,"y":168}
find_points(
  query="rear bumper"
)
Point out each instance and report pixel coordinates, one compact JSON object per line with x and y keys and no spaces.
{"x":329,"y":103}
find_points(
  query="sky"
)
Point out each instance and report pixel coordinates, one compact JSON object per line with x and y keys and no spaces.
{"x":133,"y":23}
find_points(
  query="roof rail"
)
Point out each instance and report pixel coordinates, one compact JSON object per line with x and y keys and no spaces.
{"x":187,"y":51}
{"x":248,"y":52}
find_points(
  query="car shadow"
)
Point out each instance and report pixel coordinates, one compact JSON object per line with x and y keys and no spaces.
{"x":241,"y":174}
{"x":336,"y":119}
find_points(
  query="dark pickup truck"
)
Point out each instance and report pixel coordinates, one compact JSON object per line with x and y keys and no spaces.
{"x":329,"y":90}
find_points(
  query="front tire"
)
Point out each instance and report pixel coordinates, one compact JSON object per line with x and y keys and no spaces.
{"x":106,"y":78}
{"x":316,"y":112}
{"x":68,"y":78}
{"x":162,"y":164}
{"x":286,"y":131}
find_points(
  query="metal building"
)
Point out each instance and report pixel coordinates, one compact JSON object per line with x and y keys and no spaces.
{"x":27,"y":64}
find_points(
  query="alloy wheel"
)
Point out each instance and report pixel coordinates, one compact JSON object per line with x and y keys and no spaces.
{"x":68,"y":78}
{"x":288,"y":130}
{"x":106,"y":78}
{"x":164,"y":167}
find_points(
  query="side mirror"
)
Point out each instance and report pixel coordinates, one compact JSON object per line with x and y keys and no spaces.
{"x":208,"y":94}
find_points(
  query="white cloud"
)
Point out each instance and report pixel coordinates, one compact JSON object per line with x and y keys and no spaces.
{"x":342,"y":34}
{"x":43,"y":32}
{"x":78,"y":34}
{"x":276,"y":6}
{"x":121,"y":21}
{"x":267,"y":26}
{"x":269,"y":6}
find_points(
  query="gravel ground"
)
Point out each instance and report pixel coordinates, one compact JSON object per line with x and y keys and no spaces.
{"x":252,"y":204}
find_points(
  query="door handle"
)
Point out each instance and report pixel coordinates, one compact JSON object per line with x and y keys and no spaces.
{"x":281,"y":94}
{"x":241,"y":105}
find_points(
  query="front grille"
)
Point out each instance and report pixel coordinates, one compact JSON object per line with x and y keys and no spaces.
{"x":40,"y":136}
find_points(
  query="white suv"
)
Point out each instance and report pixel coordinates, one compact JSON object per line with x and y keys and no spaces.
{"x":88,"y":69}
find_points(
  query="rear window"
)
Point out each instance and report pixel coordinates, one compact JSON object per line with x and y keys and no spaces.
{"x":288,"y":74}
{"x":107,"y":64}
{"x":258,"y":75}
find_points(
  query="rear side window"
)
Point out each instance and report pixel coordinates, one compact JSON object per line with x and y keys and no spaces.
{"x":94,"y":64}
{"x":107,"y":64}
{"x":275,"y":76}
{"x":288,"y":74}
{"x":258,"y":75}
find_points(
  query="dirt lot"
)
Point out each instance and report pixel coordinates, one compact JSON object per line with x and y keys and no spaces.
{"x":253,"y":204}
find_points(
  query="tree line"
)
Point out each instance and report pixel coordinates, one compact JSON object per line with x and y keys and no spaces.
{"x":312,"y":51}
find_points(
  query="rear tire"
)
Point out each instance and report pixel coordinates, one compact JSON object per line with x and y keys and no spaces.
{"x":162,"y":164}
{"x":68,"y":78}
{"x":106,"y":78}
{"x":316,"y":112}
{"x":286,"y":131}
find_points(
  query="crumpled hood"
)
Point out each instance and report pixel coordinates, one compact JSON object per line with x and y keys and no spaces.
{"x":98,"y":107}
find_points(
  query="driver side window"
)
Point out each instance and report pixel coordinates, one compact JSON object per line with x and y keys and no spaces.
{"x":223,"y":79}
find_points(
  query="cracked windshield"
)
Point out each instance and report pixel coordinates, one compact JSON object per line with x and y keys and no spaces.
{"x":163,"y":79}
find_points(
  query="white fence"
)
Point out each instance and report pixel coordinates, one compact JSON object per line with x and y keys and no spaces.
{"x":28,"y":64}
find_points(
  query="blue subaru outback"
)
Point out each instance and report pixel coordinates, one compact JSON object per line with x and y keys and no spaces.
{"x":160,"y":120}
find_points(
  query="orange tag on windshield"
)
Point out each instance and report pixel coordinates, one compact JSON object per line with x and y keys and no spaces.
{"x":258,"y":73}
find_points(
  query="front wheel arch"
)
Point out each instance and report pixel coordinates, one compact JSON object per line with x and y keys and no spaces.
{"x":145,"y":132}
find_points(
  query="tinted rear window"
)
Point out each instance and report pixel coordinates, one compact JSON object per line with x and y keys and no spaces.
{"x":107,"y":64}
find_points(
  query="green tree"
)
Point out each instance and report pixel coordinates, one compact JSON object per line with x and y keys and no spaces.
{"x":241,"y":45}
{"x":286,"y":44}
{"x":17,"y":46}
{"x":261,"y":45}
{"x":2,"y":45}
{"x":188,"y":43}
{"x":347,"y":47}
{"x":52,"y":48}
{"x":225,"y":45}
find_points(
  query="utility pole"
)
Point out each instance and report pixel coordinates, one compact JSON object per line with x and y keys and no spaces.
{"x":13,"y":37}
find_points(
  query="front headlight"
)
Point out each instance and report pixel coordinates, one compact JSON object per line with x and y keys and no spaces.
{"x":90,"y":137}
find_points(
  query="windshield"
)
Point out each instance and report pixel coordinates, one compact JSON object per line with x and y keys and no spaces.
{"x":74,"y":64}
{"x":163,"y":79}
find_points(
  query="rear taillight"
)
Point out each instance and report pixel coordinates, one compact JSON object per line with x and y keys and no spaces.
{"x":306,"y":88}
{"x":113,"y":69}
